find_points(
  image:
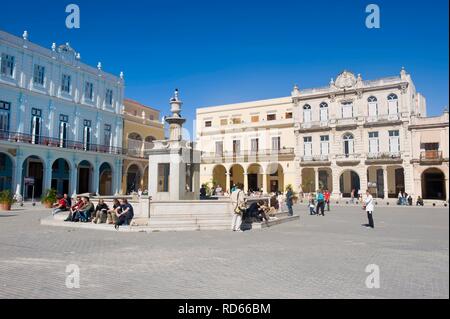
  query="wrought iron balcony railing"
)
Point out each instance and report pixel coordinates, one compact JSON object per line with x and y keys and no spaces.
{"x":16,"y":137}
{"x":383,"y":156}
{"x":433,"y":155}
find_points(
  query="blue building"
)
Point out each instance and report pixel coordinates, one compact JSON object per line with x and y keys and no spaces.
{"x":61,"y":121}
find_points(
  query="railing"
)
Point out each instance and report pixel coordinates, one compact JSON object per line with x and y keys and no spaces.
{"x":248,"y":153}
{"x":383,"y":156}
{"x":431,"y":155}
{"x":315,"y":158}
{"x":314,"y":124}
{"x":383,"y":118}
{"x":350,"y":156}
{"x":347,"y":121}
{"x":16,"y":137}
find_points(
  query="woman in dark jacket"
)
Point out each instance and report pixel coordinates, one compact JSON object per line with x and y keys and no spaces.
{"x":100,"y":212}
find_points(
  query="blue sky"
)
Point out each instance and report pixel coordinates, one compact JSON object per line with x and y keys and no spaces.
{"x":219,"y":52}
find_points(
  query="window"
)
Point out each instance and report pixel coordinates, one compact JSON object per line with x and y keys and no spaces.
{"x":307,"y":146}
{"x":219,"y":148}
{"x":63,"y":129}
{"x":87,"y":133}
{"x":236,"y":147}
{"x":236,"y":120}
{"x":288,"y":115}
{"x":208,"y":123}
{"x":307,"y":113}
{"x":152,"y":117}
{"x":254,"y":145}
{"x":392,"y":104}
{"x":323,"y":112}
{"x":39,"y":74}
{"x":223,"y":122}
{"x":347,"y":110}
{"x":348,"y":144}
{"x":65,"y":83}
{"x":89,"y":91}
{"x":276,"y":143}
{"x":394,"y":141}
{"x":36,"y":125}
{"x":109,"y":97}
{"x":373,"y":106}
{"x":271,"y":117}
{"x":107,"y":135}
{"x":324,"y":145}
{"x":255,"y":118}
{"x":374,"y":146}
{"x":4,"y":116}
{"x":7,"y":65}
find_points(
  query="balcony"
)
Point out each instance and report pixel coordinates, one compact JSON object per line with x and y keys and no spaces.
{"x":348,"y":159}
{"x":431,"y":157}
{"x":315,"y":160}
{"x":249,"y":155}
{"x":15,"y":137}
{"x":386,"y":157}
{"x":314,"y":126}
{"x":379,"y":120}
{"x":347,"y":123}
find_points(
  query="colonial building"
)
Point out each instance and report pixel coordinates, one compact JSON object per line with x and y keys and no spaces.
{"x":351,"y":134}
{"x":60,"y":121}
{"x":142,"y":126}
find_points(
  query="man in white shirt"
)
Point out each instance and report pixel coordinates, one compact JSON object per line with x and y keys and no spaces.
{"x":369,"y":207}
{"x":238,"y":200}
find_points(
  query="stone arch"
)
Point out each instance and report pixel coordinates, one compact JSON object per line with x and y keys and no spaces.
{"x":220,"y":176}
{"x":349,"y":180}
{"x":61,"y":168}
{"x":6,"y":171}
{"x":433,"y":184}
{"x":105,"y":179}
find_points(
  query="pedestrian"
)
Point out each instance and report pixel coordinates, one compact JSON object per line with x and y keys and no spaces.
{"x":369,"y":207}
{"x":327,"y":196}
{"x":352,"y":196}
{"x":238,"y":200}
{"x":203,"y":192}
{"x":60,"y":206}
{"x":311,"y":206}
{"x":289,"y":201}
{"x":320,"y":210}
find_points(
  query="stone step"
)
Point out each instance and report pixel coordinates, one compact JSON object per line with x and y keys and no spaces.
{"x":273,"y":222}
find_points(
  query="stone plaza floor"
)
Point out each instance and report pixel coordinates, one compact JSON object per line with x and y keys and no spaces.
{"x":314,"y":257}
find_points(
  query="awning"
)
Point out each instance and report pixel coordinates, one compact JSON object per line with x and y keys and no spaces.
{"x":430,"y":136}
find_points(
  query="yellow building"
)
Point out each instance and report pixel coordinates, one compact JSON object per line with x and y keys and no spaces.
{"x":141,"y":127}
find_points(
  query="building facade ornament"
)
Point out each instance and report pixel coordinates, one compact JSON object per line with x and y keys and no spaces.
{"x":345,"y":80}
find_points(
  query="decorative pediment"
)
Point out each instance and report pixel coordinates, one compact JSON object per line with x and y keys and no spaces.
{"x":345,"y":80}
{"x":67,"y":53}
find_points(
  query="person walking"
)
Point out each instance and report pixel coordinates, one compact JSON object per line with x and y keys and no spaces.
{"x":327,"y":196}
{"x":320,"y":209}
{"x":369,"y":207}
{"x":238,"y":200}
{"x":289,"y":201}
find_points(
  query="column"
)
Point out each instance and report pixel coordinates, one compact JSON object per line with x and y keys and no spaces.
{"x":385,"y":182}
{"x":228,"y":182}
{"x":408,"y":177}
{"x":18,"y":172}
{"x":336,"y":183}
{"x":363,"y":179}
{"x":265,"y":187}
{"x":245,"y":182}
{"x":74,"y":178}
{"x":48,"y":172}
{"x":95,"y":177}
{"x":51,"y":119}
{"x":21,"y":112}
{"x":316,"y":179}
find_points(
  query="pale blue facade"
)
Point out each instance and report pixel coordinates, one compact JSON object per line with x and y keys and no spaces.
{"x":60,"y":120}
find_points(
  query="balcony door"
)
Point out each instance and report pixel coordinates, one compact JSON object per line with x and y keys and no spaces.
{"x":306,"y":113}
{"x":307,"y":145}
{"x":36,"y":126}
{"x":348,"y":144}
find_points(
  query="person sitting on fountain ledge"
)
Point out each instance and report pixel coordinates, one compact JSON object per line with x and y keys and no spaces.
{"x":126,"y":215}
{"x":60,"y":206}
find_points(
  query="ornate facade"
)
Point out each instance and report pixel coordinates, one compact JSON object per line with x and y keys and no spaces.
{"x":60,"y":121}
{"x":349,"y":135}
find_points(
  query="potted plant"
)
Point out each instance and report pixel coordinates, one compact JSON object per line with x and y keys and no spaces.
{"x":49,"y":199}
{"x":6,"y":199}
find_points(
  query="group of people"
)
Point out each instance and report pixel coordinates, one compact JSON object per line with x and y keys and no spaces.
{"x":121,"y":212}
{"x":404,"y":199}
{"x":317,"y":202}
{"x":259,"y":209}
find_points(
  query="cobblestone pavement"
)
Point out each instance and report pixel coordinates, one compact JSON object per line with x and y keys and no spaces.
{"x":315,"y":257}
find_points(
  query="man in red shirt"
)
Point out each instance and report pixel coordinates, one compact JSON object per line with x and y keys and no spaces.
{"x":60,"y":206}
{"x":327,"y":196}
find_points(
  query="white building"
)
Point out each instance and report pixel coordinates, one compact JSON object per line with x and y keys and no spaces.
{"x":351,"y":134}
{"x":60,"y":120}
